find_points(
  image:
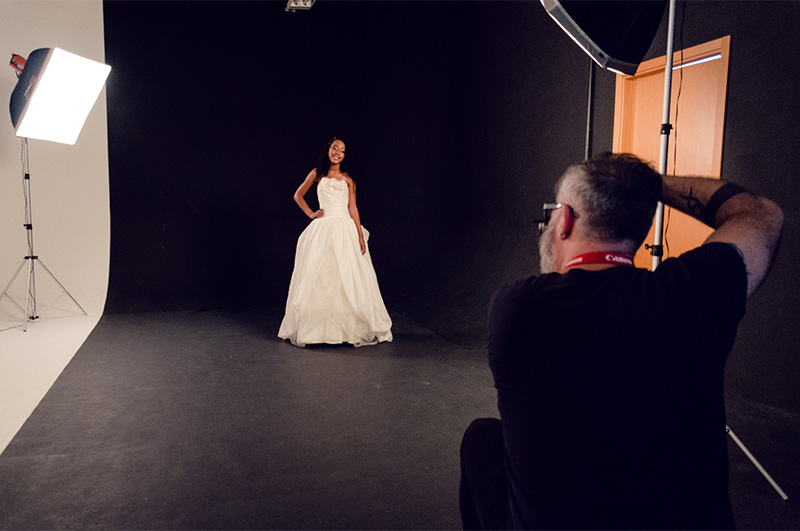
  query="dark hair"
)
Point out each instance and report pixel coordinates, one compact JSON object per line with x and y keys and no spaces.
{"x":618,"y":194}
{"x":349,"y":164}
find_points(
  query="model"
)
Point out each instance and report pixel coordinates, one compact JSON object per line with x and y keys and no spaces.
{"x":333,"y":294}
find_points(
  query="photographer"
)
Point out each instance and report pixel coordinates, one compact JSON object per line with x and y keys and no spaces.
{"x":610,"y":378}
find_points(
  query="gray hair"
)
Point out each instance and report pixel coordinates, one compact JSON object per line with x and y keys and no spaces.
{"x":617,"y":194}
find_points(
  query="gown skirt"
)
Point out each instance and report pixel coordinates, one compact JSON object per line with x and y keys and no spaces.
{"x":333,"y":294}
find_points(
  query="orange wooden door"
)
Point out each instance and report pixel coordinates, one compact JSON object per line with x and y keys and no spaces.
{"x":697,"y":114}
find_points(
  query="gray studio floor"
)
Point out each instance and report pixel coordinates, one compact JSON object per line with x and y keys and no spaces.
{"x":205,"y":420}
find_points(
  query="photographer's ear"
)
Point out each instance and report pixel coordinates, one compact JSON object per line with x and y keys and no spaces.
{"x":566,"y":222}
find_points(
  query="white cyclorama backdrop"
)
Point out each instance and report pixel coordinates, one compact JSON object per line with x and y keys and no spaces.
{"x":70,"y":208}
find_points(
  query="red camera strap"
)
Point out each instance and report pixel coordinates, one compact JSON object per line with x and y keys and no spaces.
{"x":601,"y":258}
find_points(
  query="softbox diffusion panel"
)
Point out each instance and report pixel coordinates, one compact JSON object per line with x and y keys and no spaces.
{"x":615,"y":34}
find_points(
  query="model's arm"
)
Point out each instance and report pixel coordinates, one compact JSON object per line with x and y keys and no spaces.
{"x":351,"y":206}
{"x":750,"y":222}
{"x":299,"y":196}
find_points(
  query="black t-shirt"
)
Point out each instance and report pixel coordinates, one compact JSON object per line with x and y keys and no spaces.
{"x":610,"y":389}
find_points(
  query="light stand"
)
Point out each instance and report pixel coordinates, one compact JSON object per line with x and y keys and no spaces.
{"x":55,"y":91}
{"x":30,"y":309}
{"x":657,"y":249}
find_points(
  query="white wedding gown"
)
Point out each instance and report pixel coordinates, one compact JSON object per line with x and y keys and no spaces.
{"x":334,"y":295}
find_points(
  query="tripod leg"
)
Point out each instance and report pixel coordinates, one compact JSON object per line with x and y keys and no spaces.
{"x":757,"y":464}
{"x":10,"y":282}
{"x":63,"y":289}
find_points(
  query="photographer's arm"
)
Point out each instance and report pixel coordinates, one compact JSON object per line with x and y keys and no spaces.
{"x":750,"y":222}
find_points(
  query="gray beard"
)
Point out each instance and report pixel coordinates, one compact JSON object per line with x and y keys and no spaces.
{"x":547,"y":259}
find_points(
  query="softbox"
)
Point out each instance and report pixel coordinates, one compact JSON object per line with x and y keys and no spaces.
{"x":54,"y":94}
{"x":616,"y":34}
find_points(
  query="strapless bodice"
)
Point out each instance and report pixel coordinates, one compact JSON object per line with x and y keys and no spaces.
{"x":333,"y":198}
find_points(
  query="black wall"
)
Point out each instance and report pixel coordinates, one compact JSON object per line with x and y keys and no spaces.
{"x":463,"y":115}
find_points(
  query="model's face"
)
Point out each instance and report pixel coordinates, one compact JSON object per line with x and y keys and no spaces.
{"x":336,"y":152}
